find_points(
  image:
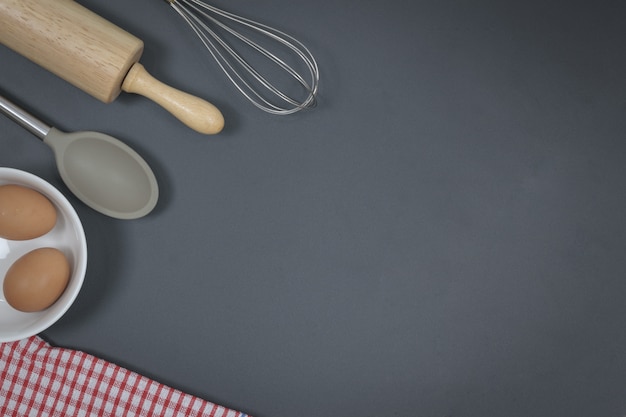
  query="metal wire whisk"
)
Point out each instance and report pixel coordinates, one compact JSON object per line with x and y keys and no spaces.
{"x":208,"y":22}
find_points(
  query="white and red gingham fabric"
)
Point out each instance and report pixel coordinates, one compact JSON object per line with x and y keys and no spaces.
{"x":40,"y":380}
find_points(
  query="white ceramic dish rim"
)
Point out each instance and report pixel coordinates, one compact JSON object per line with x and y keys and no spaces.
{"x":67,"y":236}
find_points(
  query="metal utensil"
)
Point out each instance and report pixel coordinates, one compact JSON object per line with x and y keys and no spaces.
{"x":220,"y":30}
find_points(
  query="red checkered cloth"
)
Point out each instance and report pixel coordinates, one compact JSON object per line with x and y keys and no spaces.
{"x":40,"y":380}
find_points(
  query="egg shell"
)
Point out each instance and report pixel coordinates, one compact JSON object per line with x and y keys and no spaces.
{"x":36,"y":280}
{"x":24,"y":213}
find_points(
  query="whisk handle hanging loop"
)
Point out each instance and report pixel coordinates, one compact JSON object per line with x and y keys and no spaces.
{"x":193,"y":111}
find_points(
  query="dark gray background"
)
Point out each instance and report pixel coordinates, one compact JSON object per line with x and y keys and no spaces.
{"x":443,"y":236}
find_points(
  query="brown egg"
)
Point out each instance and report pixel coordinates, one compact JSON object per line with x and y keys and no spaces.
{"x":36,"y":280}
{"x":24,"y":213}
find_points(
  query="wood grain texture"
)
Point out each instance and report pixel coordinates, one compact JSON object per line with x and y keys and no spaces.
{"x":72,"y":42}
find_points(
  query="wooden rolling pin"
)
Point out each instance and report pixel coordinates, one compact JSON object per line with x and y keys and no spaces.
{"x":94,"y":55}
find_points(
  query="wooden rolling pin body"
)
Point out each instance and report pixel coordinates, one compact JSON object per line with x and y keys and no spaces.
{"x":95,"y":55}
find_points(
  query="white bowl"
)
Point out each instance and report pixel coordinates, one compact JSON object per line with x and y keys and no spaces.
{"x":67,"y":236}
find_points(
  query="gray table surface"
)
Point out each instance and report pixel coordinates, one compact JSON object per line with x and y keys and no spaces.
{"x":443,"y":236}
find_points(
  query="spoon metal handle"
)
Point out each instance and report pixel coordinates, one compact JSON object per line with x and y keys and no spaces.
{"x":24,"y":119}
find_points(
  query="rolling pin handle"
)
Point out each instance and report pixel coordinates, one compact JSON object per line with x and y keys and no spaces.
{"x":193,"y":111}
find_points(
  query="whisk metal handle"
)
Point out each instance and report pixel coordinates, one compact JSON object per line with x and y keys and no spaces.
{"x":193,"y":111}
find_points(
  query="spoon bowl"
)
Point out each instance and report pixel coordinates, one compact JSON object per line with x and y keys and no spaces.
{"x":104,"y":173}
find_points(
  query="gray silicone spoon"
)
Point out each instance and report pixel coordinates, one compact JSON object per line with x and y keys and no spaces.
{"x":101,"y":171}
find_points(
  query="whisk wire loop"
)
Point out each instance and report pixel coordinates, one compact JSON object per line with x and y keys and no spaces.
{"x":204,"y":21}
